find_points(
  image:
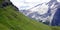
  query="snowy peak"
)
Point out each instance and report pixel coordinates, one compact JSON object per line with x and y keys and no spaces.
{"x":27,"y":4}
{"x":41,"y":10}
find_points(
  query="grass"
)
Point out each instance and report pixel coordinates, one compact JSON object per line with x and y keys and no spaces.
{"x":55,"y":27}
{"x":13,"y":20}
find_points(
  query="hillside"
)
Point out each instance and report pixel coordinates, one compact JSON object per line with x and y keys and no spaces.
{"x":10,"y":19}
{"x":13,"y":20}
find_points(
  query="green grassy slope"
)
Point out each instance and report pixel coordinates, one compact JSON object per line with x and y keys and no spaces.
{"x":55,"y":27}
{"x":13,"y":20}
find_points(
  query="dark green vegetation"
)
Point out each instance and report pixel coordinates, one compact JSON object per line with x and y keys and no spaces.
{"x":14,"y":20}
{"x":1,"y":1}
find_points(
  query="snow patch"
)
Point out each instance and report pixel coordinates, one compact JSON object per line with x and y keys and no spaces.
{"x":26,"y":4}
{"x":58,"y":0}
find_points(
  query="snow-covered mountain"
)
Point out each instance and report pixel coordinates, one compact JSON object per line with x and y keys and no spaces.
{"x":41,"y":10}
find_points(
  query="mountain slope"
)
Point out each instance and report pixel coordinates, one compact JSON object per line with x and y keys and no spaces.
{"x":13,"y":20}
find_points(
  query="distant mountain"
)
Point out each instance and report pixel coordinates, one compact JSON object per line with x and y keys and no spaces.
{"x":42,"y":12}
{"x":47,"y":16}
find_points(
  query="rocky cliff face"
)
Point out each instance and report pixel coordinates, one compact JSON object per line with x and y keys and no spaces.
{"x":56,"y":18}
{"x":5,"y":3}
